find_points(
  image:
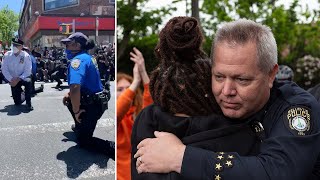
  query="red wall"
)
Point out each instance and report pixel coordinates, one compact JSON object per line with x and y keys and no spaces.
{"x":82,"y":23}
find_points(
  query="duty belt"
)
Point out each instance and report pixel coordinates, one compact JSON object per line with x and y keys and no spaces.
{"x":92,"y":98}
{"x":88,"y":99}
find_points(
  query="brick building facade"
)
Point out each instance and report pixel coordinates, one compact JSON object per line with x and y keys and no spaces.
{"x":40,"y":20}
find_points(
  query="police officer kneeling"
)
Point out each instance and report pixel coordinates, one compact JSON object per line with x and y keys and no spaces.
{"x":86,"y":100}
{"x":16,"y":68}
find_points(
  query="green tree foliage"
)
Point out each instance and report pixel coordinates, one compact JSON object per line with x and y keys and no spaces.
{"x":281,"y":21}
{"x":8,"y":24}
{"x":295,"y":38}
{"x":139,"y":27}
{"x":146,"y":45}
{"x":296,"y":31}
{"x":307,"y":71}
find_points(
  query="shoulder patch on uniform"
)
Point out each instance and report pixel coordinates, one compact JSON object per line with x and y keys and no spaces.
{"x":297,"y":119}
{"x":94,"y":61}
{"x":75,"y":64}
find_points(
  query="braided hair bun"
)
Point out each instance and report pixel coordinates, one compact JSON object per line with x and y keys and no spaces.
{"x":180,"y":40}
{"x":182,"y":81}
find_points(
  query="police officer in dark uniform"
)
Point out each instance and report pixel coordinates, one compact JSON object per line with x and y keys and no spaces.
{"x":289,"y":149}
{"x":86,"y":100}
{"x":286,"y":118}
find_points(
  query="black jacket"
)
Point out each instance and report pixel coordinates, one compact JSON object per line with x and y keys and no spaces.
{"x":289,"y":151}
{"x":213,"y":133}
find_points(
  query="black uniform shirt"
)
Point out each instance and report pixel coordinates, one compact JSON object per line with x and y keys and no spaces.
{"x":288,"y":152}
{"x":214,"y":132}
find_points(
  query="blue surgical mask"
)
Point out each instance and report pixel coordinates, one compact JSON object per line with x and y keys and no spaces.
{"x":69,"y":54}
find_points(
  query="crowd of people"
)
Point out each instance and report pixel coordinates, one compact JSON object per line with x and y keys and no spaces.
{"x":88,"y":96}
{"x":47,"y":65}
{"x":50,"y":64}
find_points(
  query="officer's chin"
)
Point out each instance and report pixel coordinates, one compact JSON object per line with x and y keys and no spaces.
{"x":232,"y":113}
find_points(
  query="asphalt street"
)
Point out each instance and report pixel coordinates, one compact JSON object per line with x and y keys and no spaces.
{"x":40,"y":144}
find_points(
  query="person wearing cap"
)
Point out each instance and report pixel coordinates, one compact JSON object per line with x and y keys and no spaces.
{"x":85,"y":100}
{"x":16,"y":68}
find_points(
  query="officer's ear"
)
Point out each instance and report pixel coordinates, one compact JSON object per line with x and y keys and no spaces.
{"x":272,"y":75}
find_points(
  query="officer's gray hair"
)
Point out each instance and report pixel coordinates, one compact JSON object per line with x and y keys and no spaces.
{"x":243,"y":31}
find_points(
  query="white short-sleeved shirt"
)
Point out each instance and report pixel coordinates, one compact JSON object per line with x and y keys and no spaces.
{"x":16,"y":66}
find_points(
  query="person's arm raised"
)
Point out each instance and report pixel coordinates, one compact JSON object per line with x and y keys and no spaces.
{"x":125,"y":100}
{"x":137,"y":57}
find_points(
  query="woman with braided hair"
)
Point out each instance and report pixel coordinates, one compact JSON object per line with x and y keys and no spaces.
{"x":183,"y":101}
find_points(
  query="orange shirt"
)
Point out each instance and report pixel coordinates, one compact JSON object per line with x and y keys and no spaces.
{"x":124,"y":127}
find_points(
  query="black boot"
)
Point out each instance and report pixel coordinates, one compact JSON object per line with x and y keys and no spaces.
{"x":29,"y":106}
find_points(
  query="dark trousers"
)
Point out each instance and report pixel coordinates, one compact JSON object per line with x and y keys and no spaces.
{"x":35,"y":90}
{"x":84,"y":130}
{"x":56,"y":76}
{"x":1,"y":77}
{"x":16,"y":91}
{"x":33,"y":80}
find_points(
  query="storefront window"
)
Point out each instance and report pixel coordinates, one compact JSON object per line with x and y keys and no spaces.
{"x":57,"y":4}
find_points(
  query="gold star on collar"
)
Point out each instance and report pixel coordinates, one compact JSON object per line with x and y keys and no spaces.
{"x":230,"y":156}
{"x":229,"y":163}
{"x":220,"y":157}
{"x":217,"y":177}
{"x":218,"y":167}
{"x":222,"y":153}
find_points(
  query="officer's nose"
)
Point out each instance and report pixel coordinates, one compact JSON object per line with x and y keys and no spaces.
{"x":228,"y":88}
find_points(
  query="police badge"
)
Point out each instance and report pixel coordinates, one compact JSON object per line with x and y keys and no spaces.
{"x":21,"y":60}
{"x":298,"y":119}
{"x":75,"y":64}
